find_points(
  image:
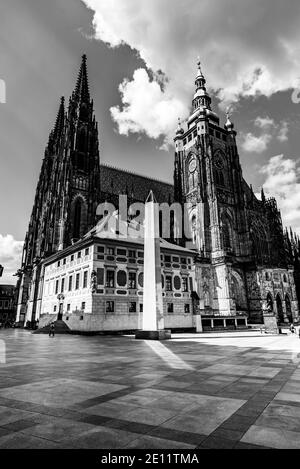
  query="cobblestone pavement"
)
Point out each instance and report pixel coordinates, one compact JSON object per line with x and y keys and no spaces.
{"x":238,"y":390}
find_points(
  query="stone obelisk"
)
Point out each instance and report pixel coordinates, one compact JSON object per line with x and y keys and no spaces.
{"x":153,"y":314}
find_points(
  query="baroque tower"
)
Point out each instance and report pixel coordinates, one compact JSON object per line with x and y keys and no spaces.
{"x":67,"y":194}
{"x":238,"y":238}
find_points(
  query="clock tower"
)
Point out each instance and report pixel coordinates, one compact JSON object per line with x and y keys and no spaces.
{"x":208,"y":180}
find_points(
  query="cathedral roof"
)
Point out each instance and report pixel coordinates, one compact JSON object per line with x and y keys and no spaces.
{"x":120,"y":181}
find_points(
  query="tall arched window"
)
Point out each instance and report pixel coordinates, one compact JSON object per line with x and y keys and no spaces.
{"x":77,"y":219}
{"x":226,"y":231}
{"x":280,"y":317}
{"x":269,"y":303}
{"x":193,"y":177}
{"x":81,"y":140}
{"x":259,"y":241}
{"x":288,"y":307}
{"x":194,"y":229}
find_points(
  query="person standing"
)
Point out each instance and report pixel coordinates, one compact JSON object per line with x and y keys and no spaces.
{"x":52,"y":330}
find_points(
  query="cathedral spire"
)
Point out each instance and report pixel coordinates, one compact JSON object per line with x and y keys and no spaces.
{"x":58,"y":128}
{"x":82,"y":92}
{"x":60,"y":119}
{"x":201,"y":97}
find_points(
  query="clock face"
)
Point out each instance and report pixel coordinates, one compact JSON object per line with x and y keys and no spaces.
{"x":219,"y":162}
{"x":192,"y":166}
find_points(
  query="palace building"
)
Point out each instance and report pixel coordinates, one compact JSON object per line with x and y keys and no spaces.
{"x":239,"y":266}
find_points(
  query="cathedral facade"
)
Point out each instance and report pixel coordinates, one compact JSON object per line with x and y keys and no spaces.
{"x":245,"y":266}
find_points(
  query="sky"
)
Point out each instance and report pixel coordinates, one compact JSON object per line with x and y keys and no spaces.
{"x":142,"y":57}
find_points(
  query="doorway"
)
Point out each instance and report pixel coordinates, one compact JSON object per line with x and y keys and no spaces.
{"x":60,"y":312}
{"x":280,"y":317}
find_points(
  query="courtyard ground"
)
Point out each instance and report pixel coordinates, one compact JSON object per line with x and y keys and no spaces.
{"x":238,"y":390}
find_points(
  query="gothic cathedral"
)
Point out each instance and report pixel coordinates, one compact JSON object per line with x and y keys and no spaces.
{"x":244,"y":263}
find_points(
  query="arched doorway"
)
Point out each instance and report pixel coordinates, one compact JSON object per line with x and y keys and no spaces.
{"x":280,"y":317}
{"x":288,"y":307}
{"x":269,"y":303}
{"x":238,"y":291}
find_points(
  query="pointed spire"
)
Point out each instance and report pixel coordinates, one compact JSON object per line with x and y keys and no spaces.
{"x":82,"y":92}
{"x":199,"y":74}
{"x":201,"y":97}
{"x":263,"y":198}
{"x":58,"y":128}
{"x":60,"y":119}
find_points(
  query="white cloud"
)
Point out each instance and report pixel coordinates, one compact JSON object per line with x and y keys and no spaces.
{"x":270,"y":129}
{"x":251,"y":143}
{"x":10,"y":257}
{"x":146,"y":108}
{"x":283,"y":183}
{"x":247,"y":48}
{"x":264,"y":122}
{"x":283,"y":132}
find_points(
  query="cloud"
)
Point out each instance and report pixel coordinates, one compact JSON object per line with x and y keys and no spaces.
{"x":247,"y":48}
{"x":283,"y":132}
{"x":251,"y":143}
{"x":264,"y":122}
{"x":146,"y":108}
{"x":283,"y":182}
{"x":270,"y":129}
{"x":10,"y":257}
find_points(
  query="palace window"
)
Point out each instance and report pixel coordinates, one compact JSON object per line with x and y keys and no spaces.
{"x":110,"y":251}
{"x":86,"y":252}
{"x":83,"y":305}
{"x":79,"y":255}
{"x":110,"y":278}
{"x":132,"y":280}
{"x":70,"y":282}
{"x":170,"y":308}
{"x":62,"y":287}
{"x":187,"y":308}
{"x":168,"y":283}
{"x":132,"y":307}
{"x":132,"y":253}
{"x":110,"y":306}
{"x":68,"y":307}
{"x":185,"y":286}
{"x":141,"y":307}
{"x":56,"y":287}
{"x":77,"y":281}
{"x":85,"y":278}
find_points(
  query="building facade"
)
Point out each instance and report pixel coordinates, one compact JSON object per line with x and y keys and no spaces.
{"x":7,"y":305}
{"x":97,"y":284}
{"x":250,"y":266}
{"x":245,"y":266}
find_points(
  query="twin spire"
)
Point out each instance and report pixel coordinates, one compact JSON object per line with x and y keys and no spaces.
{"x":82,"y":92}
{"x":80,"y":95}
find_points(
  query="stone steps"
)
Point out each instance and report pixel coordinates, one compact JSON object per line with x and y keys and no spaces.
{"x":60,"y":328}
